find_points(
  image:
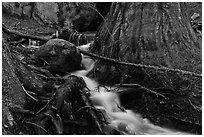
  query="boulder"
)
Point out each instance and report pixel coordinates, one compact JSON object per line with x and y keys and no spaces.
{"x":58,"y":56}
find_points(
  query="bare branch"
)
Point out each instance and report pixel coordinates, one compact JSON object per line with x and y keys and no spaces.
{"x":23,"y":35}
{"x":165,"y":69}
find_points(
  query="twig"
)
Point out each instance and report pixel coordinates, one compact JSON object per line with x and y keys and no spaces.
{"x":48,"y":102}
{"x":16,"y":42}
{"x":29,"y":94}
{"x":183,"y":120}
{"x":195,"y":107}
{"x":128,"y":85}
{"x":141,"y":87}
{"x":43,"y":107}
{"x":50,"y":77}
{"x":165,"y":69}
{"x":84,"y":107}
{"x":27,"y":122}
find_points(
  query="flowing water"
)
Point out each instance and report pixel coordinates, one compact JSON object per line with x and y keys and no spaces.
{"x":123,"y":120}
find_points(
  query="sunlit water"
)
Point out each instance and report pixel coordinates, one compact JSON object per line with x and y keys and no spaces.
{"x":124,"y":120}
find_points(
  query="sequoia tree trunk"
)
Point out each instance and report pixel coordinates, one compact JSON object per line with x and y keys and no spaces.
{"x":157,"y":34}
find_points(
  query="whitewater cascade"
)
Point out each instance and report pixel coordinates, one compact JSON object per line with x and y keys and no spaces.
{"x":123,"y":120}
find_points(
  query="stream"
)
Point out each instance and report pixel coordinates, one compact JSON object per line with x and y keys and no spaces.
{"x":123,"y":120}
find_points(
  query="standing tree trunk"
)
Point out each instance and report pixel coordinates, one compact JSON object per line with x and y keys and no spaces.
{"x":156,"y":34}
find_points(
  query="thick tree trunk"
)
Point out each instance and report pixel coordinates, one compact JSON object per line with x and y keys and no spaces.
{"x":150,"y":33}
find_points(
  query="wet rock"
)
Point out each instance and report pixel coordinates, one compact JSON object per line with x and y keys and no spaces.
{"x":58,"y":56}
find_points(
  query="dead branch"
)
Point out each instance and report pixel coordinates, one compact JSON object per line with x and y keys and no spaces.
{"x":17,"y":42}
{"x":140,"y":87}
{"x":9,"y":31}
{"x":164,"y":69}
{"x":29,"y":94}
{"x":31,"y":123}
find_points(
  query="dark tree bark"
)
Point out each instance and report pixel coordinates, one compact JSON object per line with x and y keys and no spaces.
{"x":150,"y":33}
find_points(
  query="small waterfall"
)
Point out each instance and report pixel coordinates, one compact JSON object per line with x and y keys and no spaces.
{"x":123,"y":120}
{"x":127,"y":121}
